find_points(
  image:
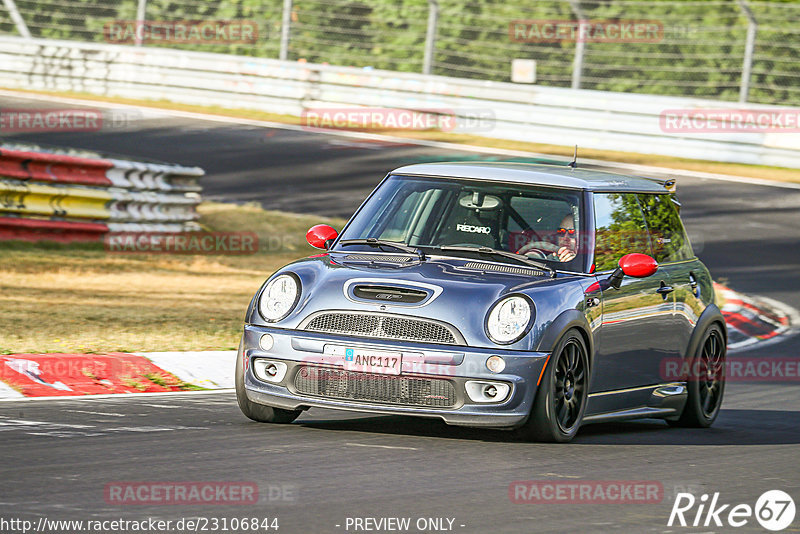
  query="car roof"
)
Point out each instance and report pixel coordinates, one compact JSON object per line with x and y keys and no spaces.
{"x":537,"y":174}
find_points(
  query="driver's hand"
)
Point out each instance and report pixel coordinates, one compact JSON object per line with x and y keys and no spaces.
{"x":565,"y":254}
{"x":527,"y":247}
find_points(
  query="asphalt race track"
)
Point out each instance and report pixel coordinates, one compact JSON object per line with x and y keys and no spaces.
{"x":56,"y":457}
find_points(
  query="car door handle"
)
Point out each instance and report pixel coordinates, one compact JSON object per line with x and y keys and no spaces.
{"x":665,"y":290}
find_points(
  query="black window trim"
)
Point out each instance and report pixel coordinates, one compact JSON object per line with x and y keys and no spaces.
{"x":649,"y":236}
{"x":590,"y":206}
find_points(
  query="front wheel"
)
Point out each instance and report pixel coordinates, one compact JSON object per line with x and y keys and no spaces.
{"x":258,"y":412}
{"x":706,"y":382}
{"x":561,"y":400}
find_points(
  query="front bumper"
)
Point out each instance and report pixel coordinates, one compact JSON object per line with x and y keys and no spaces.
{"x":456,"y":364}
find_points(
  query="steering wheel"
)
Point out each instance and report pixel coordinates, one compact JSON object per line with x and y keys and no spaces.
{"x":541,"y":249}
{"x":535,"y":253}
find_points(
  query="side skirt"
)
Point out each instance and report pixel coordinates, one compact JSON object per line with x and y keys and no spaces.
{"x":660,"y":400}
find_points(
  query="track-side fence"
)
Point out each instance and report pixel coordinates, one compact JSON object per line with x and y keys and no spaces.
{"x":549,"y":115}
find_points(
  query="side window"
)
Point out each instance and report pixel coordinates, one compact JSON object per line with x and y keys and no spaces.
{"x":619,"y":229}
{"x":667,"y":235}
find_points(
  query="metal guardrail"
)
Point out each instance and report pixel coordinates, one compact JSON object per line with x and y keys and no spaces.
{"x":67,"y":198}
{"x":722,"y":49}
{"x":592,"y":119}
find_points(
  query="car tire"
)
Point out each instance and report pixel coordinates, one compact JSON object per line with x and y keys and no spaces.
{"x":258,"y":412}
{"x":561,"y":398}
{"x":706,"y":381}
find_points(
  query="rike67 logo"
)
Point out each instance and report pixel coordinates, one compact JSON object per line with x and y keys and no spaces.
{"x":774,"y":510}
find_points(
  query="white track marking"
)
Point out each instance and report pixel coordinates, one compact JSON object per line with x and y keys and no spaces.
{"x":9,"y":393}
{"x":118,"y":396}
{"x":206,"y":369}
{"x":381,"y":446}
{"x":28,"y":423}
{"x":97,"y":413}
{"x":152,"y":428}
{"x":789,"y":311}
{"x":642,"y":169}
{"x":52,"y":429}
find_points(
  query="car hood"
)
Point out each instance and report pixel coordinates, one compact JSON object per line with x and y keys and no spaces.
{"x":458,"y":291}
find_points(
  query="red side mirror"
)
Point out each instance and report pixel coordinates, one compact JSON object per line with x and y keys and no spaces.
{"x":320,"y":236}
{"x":638,"y":265}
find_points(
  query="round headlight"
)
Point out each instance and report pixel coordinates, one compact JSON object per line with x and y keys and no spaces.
{"x":508,"y":320}
{"x":279,"y":297}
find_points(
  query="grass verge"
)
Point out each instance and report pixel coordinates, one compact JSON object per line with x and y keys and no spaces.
{"x":735,"y":169}
{"x":79,"y":298}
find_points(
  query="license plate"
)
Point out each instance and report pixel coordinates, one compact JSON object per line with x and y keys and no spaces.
{"x":373,"y":361}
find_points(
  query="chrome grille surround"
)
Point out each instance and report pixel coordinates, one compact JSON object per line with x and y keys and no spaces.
{"x":383,"y":389}
{"x":382,"y":326}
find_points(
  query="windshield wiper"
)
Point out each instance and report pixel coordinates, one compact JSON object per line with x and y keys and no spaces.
{"x":373,"y":242}
{"x":488,"y":250}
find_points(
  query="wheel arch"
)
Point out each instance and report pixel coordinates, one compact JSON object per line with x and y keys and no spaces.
{"x":688,"y":416}
{"x":567,"y":320}
{"x":711,"y":315}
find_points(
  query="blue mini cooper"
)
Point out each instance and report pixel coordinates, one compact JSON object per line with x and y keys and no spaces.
{"x":529,"y":297}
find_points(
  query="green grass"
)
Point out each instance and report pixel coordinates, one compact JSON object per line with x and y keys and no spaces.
{"x":80,"y":298}
{"x":170,"y":381}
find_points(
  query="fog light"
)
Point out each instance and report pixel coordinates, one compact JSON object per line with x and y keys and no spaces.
{"x":480,"y":391}
{"x":266,"y":342}
{"x":495,"y":364}
{"x":268,"y":370}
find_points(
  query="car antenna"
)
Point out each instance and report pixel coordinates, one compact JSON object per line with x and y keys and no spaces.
{"x":574,"y":162}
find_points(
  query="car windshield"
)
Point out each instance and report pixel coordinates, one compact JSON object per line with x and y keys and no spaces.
{"x":544,"y":224}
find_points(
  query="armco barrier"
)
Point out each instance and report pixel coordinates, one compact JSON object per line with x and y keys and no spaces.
{"x":15,"y":228}
{"x":58,"y":197}
{"x":550,"y":115}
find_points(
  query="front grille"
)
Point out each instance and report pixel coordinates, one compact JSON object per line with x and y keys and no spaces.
{"x":341,"y":323}
{"x":382,"y":326}
{"x":503,"y":269}
{"x":383,"y":389}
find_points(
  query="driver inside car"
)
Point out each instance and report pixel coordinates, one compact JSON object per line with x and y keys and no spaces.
{"x":565,"y":249}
